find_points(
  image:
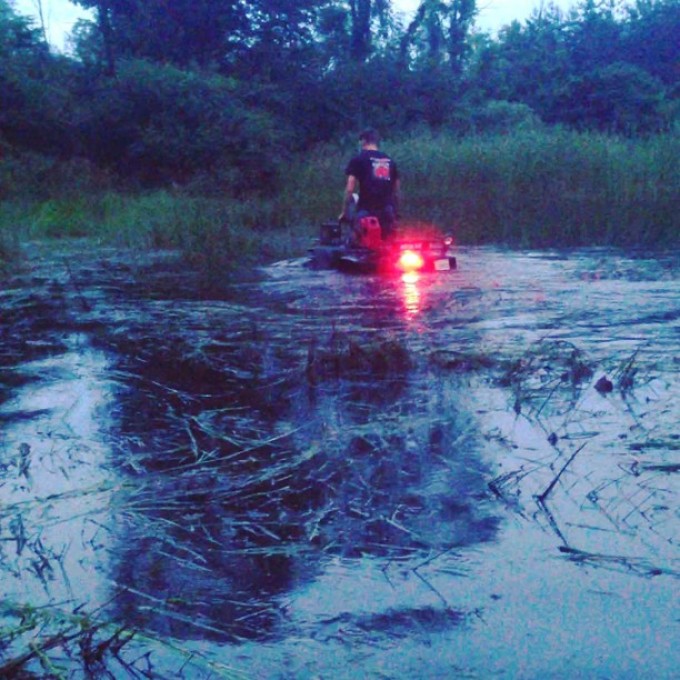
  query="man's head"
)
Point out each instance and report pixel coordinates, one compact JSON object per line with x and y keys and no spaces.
{"x":369,"y":137}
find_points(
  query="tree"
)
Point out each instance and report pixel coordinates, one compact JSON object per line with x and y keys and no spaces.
{"x":34,"y":91}
{"x":364,"y":14}
{"x":529,"y":62}
{"x":156,"y":124}
{"x":360,"y":41}
{"x":593,"y":38}
{"x":650,"y":38}
{"x":619,"y":98}
{"x":180,"y":32}
{"x":441,"y":28}
{"x":461,"y":15}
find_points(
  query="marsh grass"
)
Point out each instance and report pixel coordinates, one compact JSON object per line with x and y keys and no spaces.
{"x":214,"y":234}
{"x":542,"y":188}
{"x":32,"y":636}
{"x":532,"y":187}
{"x":10,"y":216}
{"x":53,"y":642}
{"x":535,"y":187}
{"x":344,"y":357}
{"x":8,"y":249}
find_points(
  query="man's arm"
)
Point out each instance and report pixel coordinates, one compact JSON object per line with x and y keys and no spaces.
{"x":350,"y":188}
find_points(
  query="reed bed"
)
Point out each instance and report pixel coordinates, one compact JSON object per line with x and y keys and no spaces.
{"x":214,"y":234}
{"x":535,"y":188}
{"x":553,"y":188}
{"x":9,"y":240}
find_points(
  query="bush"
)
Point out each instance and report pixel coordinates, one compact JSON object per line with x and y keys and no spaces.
{"x":33,"y":176}
{"x":619,"y":98}
{"x":159,"y":125}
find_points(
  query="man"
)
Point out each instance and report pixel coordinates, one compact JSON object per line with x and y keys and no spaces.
{"x":378,"y":179}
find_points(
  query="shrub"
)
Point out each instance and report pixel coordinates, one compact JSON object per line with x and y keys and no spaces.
{"x":158,"y":125}
{"x":503,"y":117}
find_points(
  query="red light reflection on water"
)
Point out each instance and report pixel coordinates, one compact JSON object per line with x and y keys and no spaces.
{"x":411,"y":293}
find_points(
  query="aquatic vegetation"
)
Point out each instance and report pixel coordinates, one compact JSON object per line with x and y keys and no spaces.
{"x":546,"y":188}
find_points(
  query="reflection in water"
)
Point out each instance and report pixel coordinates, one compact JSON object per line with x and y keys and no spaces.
{"x":331,"y":445}
{"x":365,"y":466}
{"x":54,"y":424}
{"x":411,"y":293}
{"x":328,"y":444}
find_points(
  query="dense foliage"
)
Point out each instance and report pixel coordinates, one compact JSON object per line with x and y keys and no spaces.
{"x":221,"y":98}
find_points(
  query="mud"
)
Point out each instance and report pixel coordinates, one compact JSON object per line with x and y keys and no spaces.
{"x":307,"y":474}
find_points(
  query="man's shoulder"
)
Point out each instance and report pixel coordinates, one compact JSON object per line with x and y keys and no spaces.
{"x":376,"y":153}
{"x":362,"y":159}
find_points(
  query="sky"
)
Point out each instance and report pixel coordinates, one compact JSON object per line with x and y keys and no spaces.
{"x":60,"y":15}
{"x":493,"y":14}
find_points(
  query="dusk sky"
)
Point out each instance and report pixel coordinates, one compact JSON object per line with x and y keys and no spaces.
{"x":60,"y":15}
{"x":496,"y":13}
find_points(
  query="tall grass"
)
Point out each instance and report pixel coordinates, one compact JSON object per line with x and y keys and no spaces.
{"x":533,"y":187}
{"x":547,"y":188}
{"x":9,"y":236}
{"x":539,"y":187}
{"x":8,"y":250}
{"x":213,"y":233}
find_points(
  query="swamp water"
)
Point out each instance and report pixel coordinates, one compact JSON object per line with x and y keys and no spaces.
{"x":311,"y":475}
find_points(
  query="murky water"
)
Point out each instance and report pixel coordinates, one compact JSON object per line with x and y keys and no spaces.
{"x":321,"y":475}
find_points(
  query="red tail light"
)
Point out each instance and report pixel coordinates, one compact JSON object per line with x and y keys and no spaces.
{"x":409,"y":260}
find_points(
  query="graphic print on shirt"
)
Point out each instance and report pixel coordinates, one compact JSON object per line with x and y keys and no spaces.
{"x":381,"y":168}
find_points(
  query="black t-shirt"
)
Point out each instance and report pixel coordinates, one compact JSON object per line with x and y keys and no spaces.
{"x":377,"y":174}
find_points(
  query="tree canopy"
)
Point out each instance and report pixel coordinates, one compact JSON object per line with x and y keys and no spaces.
{"x":160,"y":91}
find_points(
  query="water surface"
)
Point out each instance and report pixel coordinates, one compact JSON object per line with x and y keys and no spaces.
{"x":320,"y":475}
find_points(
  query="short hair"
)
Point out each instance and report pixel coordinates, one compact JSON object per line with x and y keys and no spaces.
{"x":369,"y":136}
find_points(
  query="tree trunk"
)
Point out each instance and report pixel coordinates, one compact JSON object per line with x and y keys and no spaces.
{"x":107,"y":36}
{"x":461,"y":14}
{"x":360,"y":43}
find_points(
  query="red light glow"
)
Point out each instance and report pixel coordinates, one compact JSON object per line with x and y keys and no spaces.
{"x":409,"y":260}
{"x":411,"y":293}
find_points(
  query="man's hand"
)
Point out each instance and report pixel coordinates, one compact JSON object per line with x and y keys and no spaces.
{"x":349,"y":201}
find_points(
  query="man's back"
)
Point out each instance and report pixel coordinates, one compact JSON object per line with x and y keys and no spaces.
{"x":377,"y":175}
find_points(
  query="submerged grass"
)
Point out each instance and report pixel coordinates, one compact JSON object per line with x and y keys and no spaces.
{"x":53,"y":642}
{"x":245,"y":458}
